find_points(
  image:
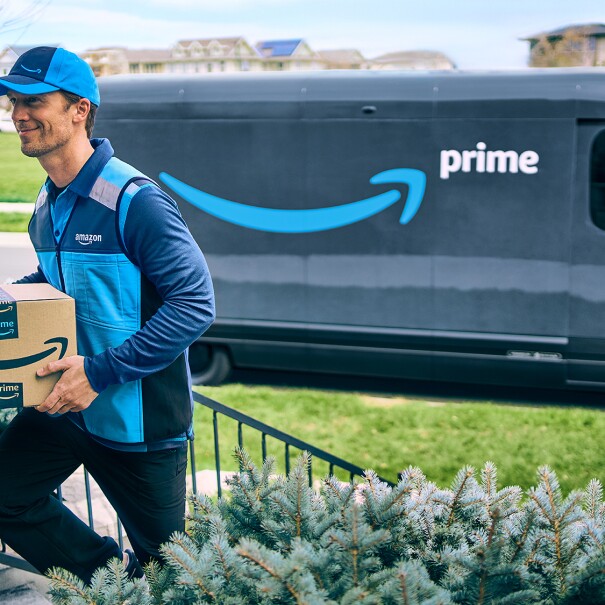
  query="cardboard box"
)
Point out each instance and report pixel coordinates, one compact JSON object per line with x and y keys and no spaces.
{"x":37,"y":325}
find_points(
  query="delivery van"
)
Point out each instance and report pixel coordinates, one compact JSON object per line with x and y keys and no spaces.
{"x":436,"y":226}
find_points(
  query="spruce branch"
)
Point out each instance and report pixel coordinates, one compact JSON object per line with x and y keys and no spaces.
{"x":253,"y":553}
{"x":66,"y":587}
{"x":593,"y":501}
{"x":459,"y":486}
{"x":559,"y":516}
{"x":185,"y":556}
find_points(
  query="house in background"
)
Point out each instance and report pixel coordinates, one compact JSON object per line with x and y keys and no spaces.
{"x":413,"y":59}
{"x":120,"y":60}
{"x":347,"y":58}
{"x":574,"y":45}
{"x":106,"y":61}
{"x":288,"y":55}
{"x":206,"y":55}
{"x":148,"y":60}
{"x":10,"y":54}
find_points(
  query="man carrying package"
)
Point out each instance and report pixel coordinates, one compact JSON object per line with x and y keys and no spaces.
{"x":110,"y":238}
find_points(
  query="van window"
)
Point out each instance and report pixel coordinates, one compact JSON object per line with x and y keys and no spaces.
{"x":597,"y":181}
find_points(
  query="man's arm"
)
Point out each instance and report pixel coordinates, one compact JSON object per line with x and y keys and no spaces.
{"x":159,"y":242}
{"x":37,"y":277}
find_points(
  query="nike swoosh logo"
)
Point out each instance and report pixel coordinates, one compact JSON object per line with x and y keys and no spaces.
{"x":6,"y":309}
{"x":11,"y":364}
{"x":31,"y":71}
{"x":308,"y":221}
{"x":13,"y":396}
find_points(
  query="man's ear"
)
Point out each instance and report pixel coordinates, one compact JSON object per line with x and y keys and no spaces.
{"x":82,"y":108}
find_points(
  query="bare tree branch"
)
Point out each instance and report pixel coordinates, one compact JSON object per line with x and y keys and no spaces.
{"x":17,"y":16}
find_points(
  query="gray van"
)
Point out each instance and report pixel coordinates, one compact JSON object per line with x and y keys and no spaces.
{"x":433,"y":226}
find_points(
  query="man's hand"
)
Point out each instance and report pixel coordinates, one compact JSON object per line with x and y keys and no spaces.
{"x":73,"y":392}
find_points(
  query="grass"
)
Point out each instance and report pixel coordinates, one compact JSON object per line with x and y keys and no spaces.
{"x":14,"y":221}
{"x":389,"y":434}
{"x":20,"y":176}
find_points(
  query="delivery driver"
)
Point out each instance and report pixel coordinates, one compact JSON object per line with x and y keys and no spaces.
{"x":109,"y":237}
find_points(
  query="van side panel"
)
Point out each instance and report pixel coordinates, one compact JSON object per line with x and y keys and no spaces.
{"x":475,"y":286}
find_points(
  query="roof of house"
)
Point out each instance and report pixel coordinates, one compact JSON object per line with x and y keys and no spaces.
{"x":412,"y":57}
{"x":20,"y":49}
{"x":342,"y":55}
{"x":586,"y":29}
{"x":278,"y":48}
{"x":229,"y":42}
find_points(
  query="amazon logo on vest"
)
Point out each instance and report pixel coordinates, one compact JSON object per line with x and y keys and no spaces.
{"x":85,"y":239}
{"x":276,"y":220}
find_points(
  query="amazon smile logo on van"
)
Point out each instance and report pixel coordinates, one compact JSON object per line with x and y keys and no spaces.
{"x":309,"y":220}
{"x":21,"y":362}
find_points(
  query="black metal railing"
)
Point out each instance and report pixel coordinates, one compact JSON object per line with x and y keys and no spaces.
{"x":218,"y":409}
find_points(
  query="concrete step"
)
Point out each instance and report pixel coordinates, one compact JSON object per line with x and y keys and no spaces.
{"x":18,"y":587}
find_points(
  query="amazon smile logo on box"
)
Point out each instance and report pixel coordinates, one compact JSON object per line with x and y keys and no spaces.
{"x":11,"y":395}
{"x":9,"y":325}
{"x":46,"y":332}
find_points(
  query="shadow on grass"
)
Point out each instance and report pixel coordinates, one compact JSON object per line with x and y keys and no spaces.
{"x":451,"y":392}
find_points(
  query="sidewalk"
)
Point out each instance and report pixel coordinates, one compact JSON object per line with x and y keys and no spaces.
{"x":16,"y":207}
{"x":19,"y":587}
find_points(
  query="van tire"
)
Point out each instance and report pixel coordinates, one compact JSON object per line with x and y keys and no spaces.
{"x":216,"y":368}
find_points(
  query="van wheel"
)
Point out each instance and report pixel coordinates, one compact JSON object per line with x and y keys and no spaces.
{"x":209,"y":365}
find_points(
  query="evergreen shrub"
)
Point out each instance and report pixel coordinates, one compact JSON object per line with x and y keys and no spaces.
{"x":276,"y":540}
{"x":6,"y":416}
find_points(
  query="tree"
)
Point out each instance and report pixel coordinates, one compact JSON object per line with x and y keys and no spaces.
{"x":274,"y":540}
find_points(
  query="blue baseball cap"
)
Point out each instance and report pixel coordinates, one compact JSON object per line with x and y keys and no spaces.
{"x":47,"y":69}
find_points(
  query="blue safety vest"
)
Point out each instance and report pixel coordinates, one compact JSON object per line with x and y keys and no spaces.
{"x":113,"y":300}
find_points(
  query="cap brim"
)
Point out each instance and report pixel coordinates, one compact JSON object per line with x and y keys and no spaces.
{"x":25,"y":85}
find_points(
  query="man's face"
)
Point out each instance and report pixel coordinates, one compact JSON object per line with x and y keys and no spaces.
{"x":44,"y":122}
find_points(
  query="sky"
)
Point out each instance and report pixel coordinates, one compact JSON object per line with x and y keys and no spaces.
{"x":475,"y":34}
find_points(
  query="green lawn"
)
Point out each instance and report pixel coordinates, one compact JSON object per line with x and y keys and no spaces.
{"x":389,"y":434}
{"x":14,"y":221}
{"x":20,"y":176}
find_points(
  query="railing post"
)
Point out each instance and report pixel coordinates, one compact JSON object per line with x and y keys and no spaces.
{"x":217,"y":455}
{"x":120,"y":532}
{"x":310,"y":471}
{"x":192,"y":462}
{"x":91,"y":521}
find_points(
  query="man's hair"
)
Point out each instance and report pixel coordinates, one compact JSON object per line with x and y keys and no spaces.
{"x":72,"y":99}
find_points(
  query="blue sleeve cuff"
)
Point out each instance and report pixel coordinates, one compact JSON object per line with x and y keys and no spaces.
{"x":94,"y":376}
